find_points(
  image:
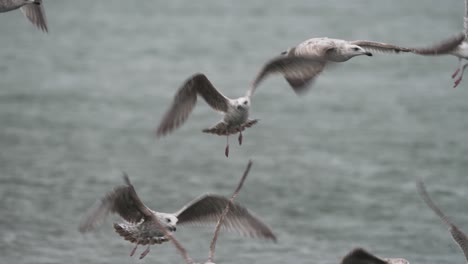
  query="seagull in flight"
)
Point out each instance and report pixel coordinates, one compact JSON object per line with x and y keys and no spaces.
{"x":302,"y":64}
{"x":221,"y":220}
{"x":235,"y":111}
{"x":141,"y":223}
{"x":360,"y":256}
{"x":457,"y":235}
{"x":32,"y":9}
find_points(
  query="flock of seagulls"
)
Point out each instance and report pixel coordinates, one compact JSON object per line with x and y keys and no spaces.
{"x":300,"y":66}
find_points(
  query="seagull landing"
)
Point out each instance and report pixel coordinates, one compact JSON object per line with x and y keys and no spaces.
{"x":236,"y":111}
{"x":32,"y":9}
{"x":302,"y":64}
{"x":457,"y":235}
{"x":360,"y":256}
{"x":220,"y":222}
{"x":141,"y":223}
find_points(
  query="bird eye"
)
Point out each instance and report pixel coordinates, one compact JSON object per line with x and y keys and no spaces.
{"x":168,"y":220}
{"x":356,"y":49}
{"x":245,"y":102}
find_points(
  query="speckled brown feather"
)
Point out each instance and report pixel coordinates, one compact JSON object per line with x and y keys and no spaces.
{"x":221,"y":129}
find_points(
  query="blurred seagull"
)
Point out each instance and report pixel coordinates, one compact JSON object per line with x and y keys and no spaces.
{"x":456,"y":46}
{"x":140,"y":226}
{"x":32,"y":9}
{"x":302,"y":64}
{"x":360,"y":256}
{"x":236,"y":111}
{"x":457,"y":235}
{"x":225,"y":212}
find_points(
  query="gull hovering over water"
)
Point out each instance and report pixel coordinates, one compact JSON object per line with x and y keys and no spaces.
{"x":141,"y":223}
{"x":360,"y":256}
{"x":32,"y":9}
{"x":460,"y":238}
{"x":456,"y":46}
{"x":221,"y":219}
{"x":302,"y":64}
{"x":235,"y":111}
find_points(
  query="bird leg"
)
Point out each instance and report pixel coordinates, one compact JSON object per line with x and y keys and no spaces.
{"x":240,"y":135}
{"x":144,"y":253}
{"x":457,"y":81}
{"x":458,"y":69}
{"x":133,"y":250}
{"x":226,"y":151}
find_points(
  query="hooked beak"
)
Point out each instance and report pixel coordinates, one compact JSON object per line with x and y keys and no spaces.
{"x":368,"y":54}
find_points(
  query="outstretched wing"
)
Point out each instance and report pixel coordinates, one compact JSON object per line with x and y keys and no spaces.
{"x":360,"y":256}
{"x":36,"y":14}
{"x":379,"y":46}
{"x":299,"y":71}
{"x":123,"y":200}
{"x":456,"y":233}
{"x":465,"y":20}
{"x":208,"y":208}
{"x":441,"y":48}
{"x":226,"y":211}
{"x":185,"y":101}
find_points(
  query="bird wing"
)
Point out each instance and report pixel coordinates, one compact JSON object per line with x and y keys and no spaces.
{"x":456,"y":233}
{"x":299,"y":71}
{"x":379,"y":46}
{"x":441,"y":48}
{"x":208,"y":208}
{"x":360,"y":256}
{"x":465,"y":20}
{"x":226,"y":211}
{"x":36,"y":14}
{"x":123,"y":200}
{"x":185,"y":101}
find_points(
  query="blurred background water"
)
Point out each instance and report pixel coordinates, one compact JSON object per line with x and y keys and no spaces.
{"x":333,"y":169}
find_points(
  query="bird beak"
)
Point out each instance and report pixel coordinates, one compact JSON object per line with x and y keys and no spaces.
{"x":368,"y":54}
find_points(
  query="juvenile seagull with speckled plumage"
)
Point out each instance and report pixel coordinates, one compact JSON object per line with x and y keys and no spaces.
{"x":32,"y":9}
{"x":140,"y":226}
{"x":302,"y":64}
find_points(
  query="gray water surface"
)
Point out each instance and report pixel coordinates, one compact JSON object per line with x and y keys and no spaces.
{"x":333,"y":170}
